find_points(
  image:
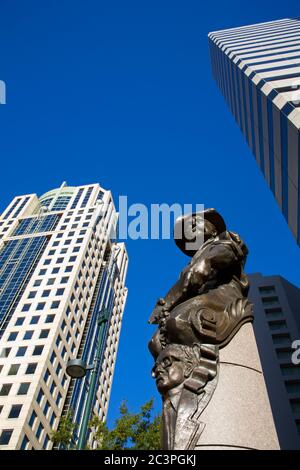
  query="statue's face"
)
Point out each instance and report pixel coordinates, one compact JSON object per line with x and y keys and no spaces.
{"x":196,"y":230}
{"x":169,"y":370}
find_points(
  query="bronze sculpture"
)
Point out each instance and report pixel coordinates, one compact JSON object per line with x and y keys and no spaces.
{"x":200,"y":314}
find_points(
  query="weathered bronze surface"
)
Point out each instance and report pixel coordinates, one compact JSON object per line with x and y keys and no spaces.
{"x":200,"y":314}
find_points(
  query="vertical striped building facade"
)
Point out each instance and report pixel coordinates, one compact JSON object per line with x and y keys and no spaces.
{"x":257,"y":69}
{"x":60,"y":270}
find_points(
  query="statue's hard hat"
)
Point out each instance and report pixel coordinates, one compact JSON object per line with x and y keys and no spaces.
{"x":211,"y":215}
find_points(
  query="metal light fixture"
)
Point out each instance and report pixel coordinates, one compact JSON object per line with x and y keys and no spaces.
{"x":77,"y":368}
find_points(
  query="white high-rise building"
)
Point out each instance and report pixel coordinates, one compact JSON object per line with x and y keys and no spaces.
{"x":60,"y":268}
{"x":257,"y":69}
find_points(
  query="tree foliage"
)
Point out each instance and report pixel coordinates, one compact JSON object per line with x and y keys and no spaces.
{"x":64,"y":434}
{"x":134,"y":431}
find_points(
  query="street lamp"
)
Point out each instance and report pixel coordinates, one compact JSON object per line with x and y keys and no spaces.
{"x":77,"y":369}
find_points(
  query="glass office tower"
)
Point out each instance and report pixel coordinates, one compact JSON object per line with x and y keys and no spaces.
{"x":257,"y":69}
{"x":60,"y":269}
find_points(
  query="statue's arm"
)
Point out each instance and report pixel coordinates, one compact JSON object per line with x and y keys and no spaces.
{"x":220,"y":257}
{"x":177,"y":294}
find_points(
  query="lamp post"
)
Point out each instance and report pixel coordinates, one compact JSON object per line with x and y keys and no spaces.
{"x":77,"y":369}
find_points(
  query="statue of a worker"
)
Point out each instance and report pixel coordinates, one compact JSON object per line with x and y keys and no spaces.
{"x":200,"y":314}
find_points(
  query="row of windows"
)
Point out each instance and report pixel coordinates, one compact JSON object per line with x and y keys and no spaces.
{"x":13,"y":335}
{"x":41,"y":305}
{"x":22,"y":390}
{"x":21,"y":351}
{"x":35,"y":320}
{"x":16,"y":260}
{"x":37,"y":224}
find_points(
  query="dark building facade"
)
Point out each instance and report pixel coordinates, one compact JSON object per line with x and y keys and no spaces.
{"x":276,"y":326}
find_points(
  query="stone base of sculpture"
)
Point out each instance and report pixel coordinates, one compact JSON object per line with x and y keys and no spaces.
{"x":239,"y":414}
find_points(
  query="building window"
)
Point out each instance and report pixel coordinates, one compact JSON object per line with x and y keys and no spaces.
{"x":28,"y":334}
{"x":46,"y":293}
{"x":32,"y":294}
{"x":38,"y":350}
{"x":55,"y":304}
{"x":40,"y":396}
{"x":37,"y":283}
{"x":5,"y":352}
{"x":44,"y":334}
{"x":20,"y":321}
{"x":55,"y":270}
{"x":32,"y":419}
{"x":58,"y":399}
{"x":13,"y":335}
{"x":58,"y":369}
{"x":50,"y":281}
{"x":34,"y":320}
{"x":295,"y":404}
{"x":15,"y":411}
{"x":60,"y":291}
{"x":52,"y":419}
{"x":52,"y":358}
{"x":52,"y":388}
{"x":293,"y":386}
{"x":46,"y":441}
{"x":283,"y":353}
{"x":5,"y":437}
{"x":289,"y":369}
{"x":267,"y":290}
{"x":23,"y":389}
{"x":21,"y":351}
{"x":281,"y":338}
{"x":277,"y":325}
{"x":26,"y":307}
{"x":46,"y":408}
{"x":270,"y":300}
{"x":25,"y":442}
{"x":39,"y":430}
{"x":49,"y":318}
{"x":5,"y":389}
{"x":14,"y":369}
{"x":31,"y":368}
{"x":40,"y":306}
{"x":64,"y":280}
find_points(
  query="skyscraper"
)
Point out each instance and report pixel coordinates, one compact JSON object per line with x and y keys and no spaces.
{"x":276,"y":326}
{"x":257,"y":69}
{"x":60,"y":270}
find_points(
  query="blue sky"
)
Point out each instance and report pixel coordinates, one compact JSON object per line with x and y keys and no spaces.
{"x":121,"y":93}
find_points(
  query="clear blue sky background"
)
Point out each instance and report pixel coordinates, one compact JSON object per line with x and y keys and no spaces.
{"x":121,"y":93}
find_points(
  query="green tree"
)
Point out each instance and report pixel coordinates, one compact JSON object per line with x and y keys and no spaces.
{"x":135,"y":431}
{"x":64,"y":434}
